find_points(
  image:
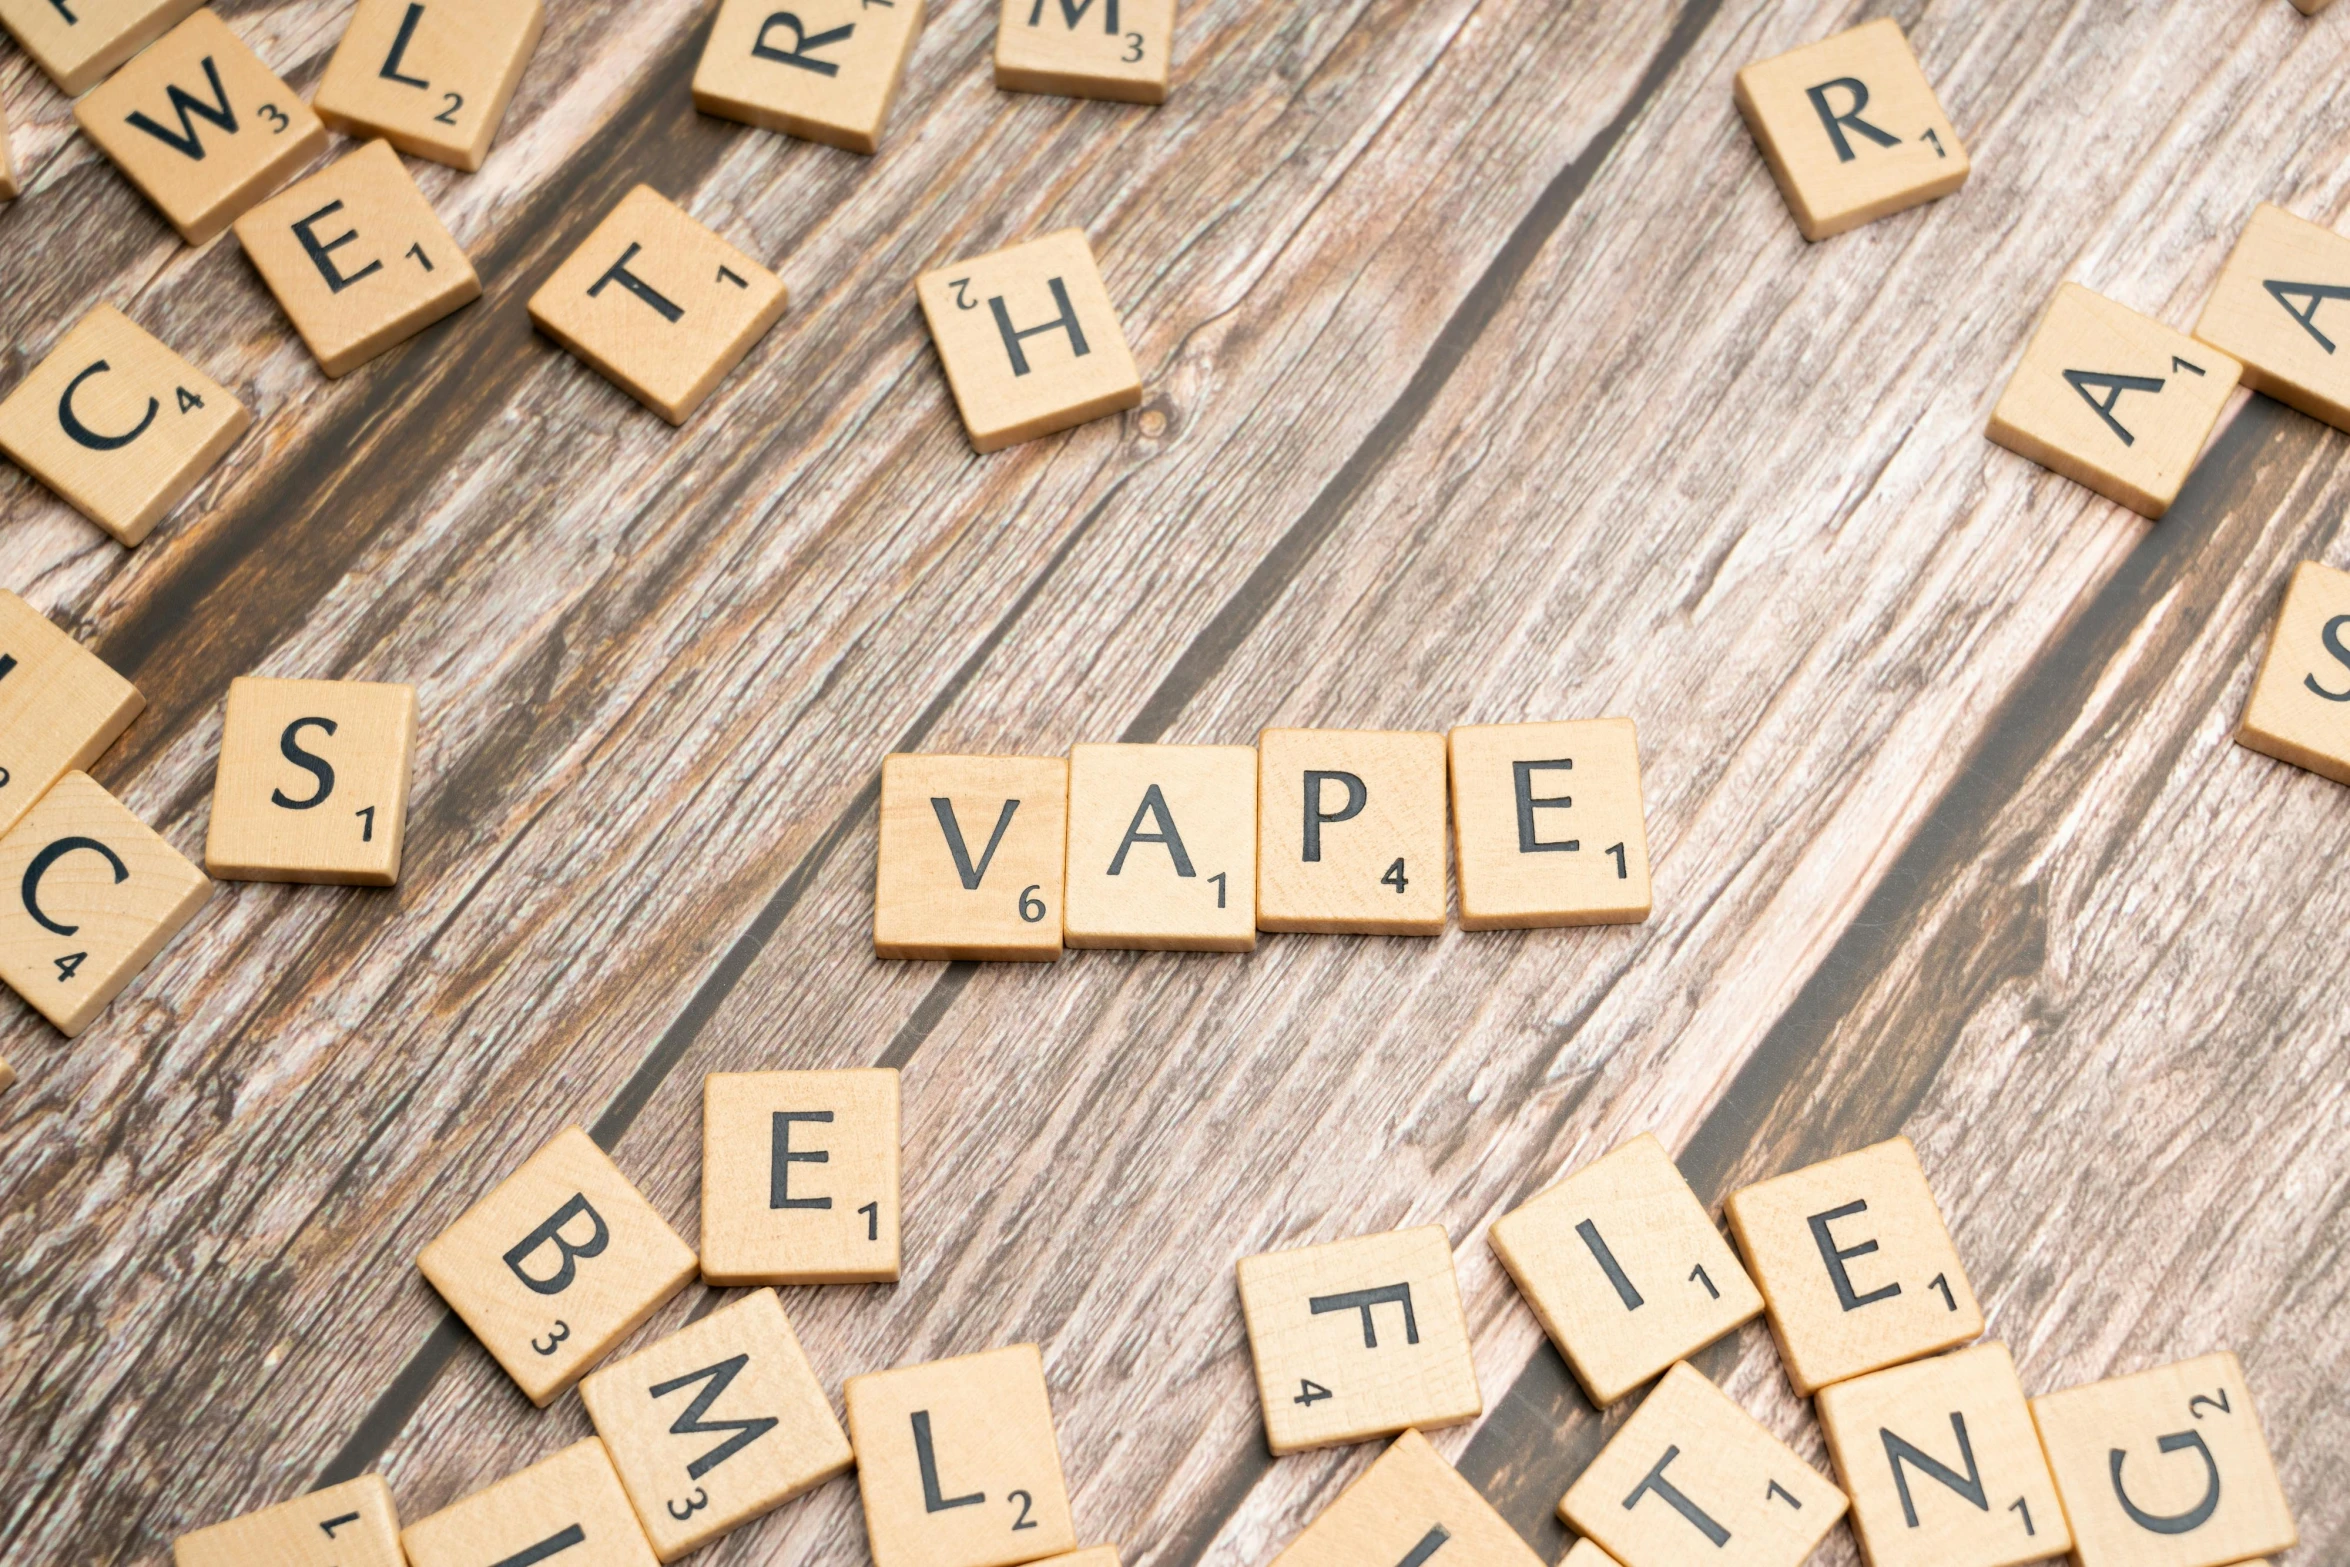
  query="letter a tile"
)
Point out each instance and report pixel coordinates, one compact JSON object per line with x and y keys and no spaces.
{"x":1410,"y":1509}
{"x":2113,"y":400}
{"x":118,"y":425}
{"x":2299,"y":711}
{"x":347,"y":1525}
{"x":1358,"y":1338}
{"x":313,"y":781}
{"x":1350,"y":831}
{"x":1030,"y":340}
{"x":1625,"y":1268}
{"x":659,"y":304}
{"x":1942,"y":1464}
{"x":557,"y":1265}
{"x":1162,"y":847}
{"x":2165,"y":1469}
{"x":2282,"y":306}
{"x":970,"y":857}
{"x":60,"y":706}
{"x":1086,"y":48}
{"x":201,"y":126}
{"x":721,"y":1421}
{"x":1548,"y":826}
{"x":568,"y":1510}
{"x":80,"y":43}
{"x":1851,"y":129}
{"x":1855,"y":1264}
{"x":800,"y":1177}
{"x":357,"y":259}
{"x":433,"y":79}
{"x":1692,"y":1472}
{"x":826,"y":70}
{"x":957,"y":1462}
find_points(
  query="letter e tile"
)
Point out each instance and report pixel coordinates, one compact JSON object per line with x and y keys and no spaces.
{"x":800,"y":1177}
{"x":1548,"y":827}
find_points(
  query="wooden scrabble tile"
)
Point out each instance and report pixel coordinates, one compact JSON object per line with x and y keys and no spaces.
{"x":957,"y":1462}
{"x":826,"y":70}
{"x":1585,"y":1553}
{"x":2113,"y":400}
{"x":60,"y":706}
{"x":2299,"y":710}
{"x":1851,"y":129}
{"x":201,"y":126}
{"x":349,"y":1525}
{"x":94,"y":894}
{"x":1358,"y":1338}
{"x":1856,"y":1268}
{"x":568,"y":1509}
{"x":2165,"y":1469}
{"x":1942,"y":1464}
{"x":560,"y":1262}
{"x":719,"y":1422}
{"x":1410,"y":1508}
{"x":1162,"y":847}
{"x":118,"y":425}
{"x":356,"y":258}
{"x":1081,"y":49}
{"x":432,"y":79}
{"x":800,"y":1177}
{"x":1548,"y":827}
{"x":1350,"y":831}
{"x":659,"y":304}
{"x":972,"y":849}
{"x":313,"y":781}
{"x":1029,"y":339}
{"x":1625,"y":1269}
{"x":81,"y":41}
{"x":1691,"y":1470}
{"x":2269,"y":310}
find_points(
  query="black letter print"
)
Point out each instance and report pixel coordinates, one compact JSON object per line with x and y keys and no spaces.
{"x":1608,"y":1265}
{"x":82,"y":433}
{"x":1528,"y":841}
{"x":553,"y":1545}
{"x":2333,"y":641}
{"x":2112,"y":386}
{"x":1836,"y":123}
{"x":391,"y":65}
{"x":801,"y":42}
{"x":290,"y":745}
{"x":336,"y":281}
{"x":189,"y":143}
{"x":1154,"y":805}
{"x":783,"y":1156}
{"x":1968,"y":1485}
{"x":1356,"y":797}
{"x":1834,"y":1258}
{"x":643,"y":290}
{"x":971,"y":874}
{"x":1363,"y":1301}
{"x":742,"y":1432}
{"x":1073,"y":12}
{"x":50,"y":856}
{"x":2317,"y":294}
{"x":552,"y":1232}
{"x":2171,"y":1523}
{"x":1066,"y":321}
{"x":933,"y":1500}
{"x":1655,"y":1481}
{"x":1430,"y":1544}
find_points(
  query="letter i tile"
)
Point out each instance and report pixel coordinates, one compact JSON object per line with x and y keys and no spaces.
{"x":1412,"y":1509}
{"x":568,"y":1510}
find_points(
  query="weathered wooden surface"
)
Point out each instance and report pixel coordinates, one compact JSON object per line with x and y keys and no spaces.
{"x":1487,"y":379}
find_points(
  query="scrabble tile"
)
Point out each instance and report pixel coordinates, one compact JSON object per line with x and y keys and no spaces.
{"x":1942,"y":1464}
{"x":1851,"y":129}
{"x":1856,"y":1268}
{"x":1691,"y":1472}
{"x":2299,"y":710}
{"x":349,"y":1525}
{"x":659,"y":304}
{"x":2165,"y":1469}
{"x":560,"y":1262}
{"x":1085,"y":49}
{"x":356,"y":258}
{"x":93,"y":894}
{"x":1548,"y":827}
{"x":826,"y":70}
{"x":568,"y":1509}
{"x":433,"y":79}
{"x":1410,"y":1508}
{"x":1625,"y":1269}
{"x":1585,"y":1553}
{"x":719,"y":1422}
{"x":2282,"y":307}
{"x":2113,"y":400}
{"x":1162,"y":847}
{"x":972,"y":849}
{"x":1029,"y":339}
{"x":60,"y":706}
{"x":313,"y":781}
{"x":1350,"y":831}
{"x":7,"y":1077}
{"x":800,"y":1177}
{"x":201,"y":126}
{"x":957,"y":1462}
{"x":80,"y":42}
{"x":118,"y":425}
{"x":1358,"y":1338}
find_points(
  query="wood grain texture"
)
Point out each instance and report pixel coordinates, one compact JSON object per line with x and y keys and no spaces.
{"x":1486,"y":379}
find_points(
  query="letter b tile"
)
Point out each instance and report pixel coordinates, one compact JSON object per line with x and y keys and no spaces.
{"x":1855,"y":1265}
{"x":560,"y":1262}
{"x":313,"y":781}
{"x":1030,"y":340}
{"x":1358,"y":1338}
{"x":2165,"y":1469}
{"x":1548,"y":827}
{"x":971,"y":852}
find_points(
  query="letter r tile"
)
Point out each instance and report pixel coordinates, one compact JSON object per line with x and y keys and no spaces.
{"x":825,"y":70}
{"x":560,"y":1262}
{"x":970,"y":858}
{"x":1856,"y":1268}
